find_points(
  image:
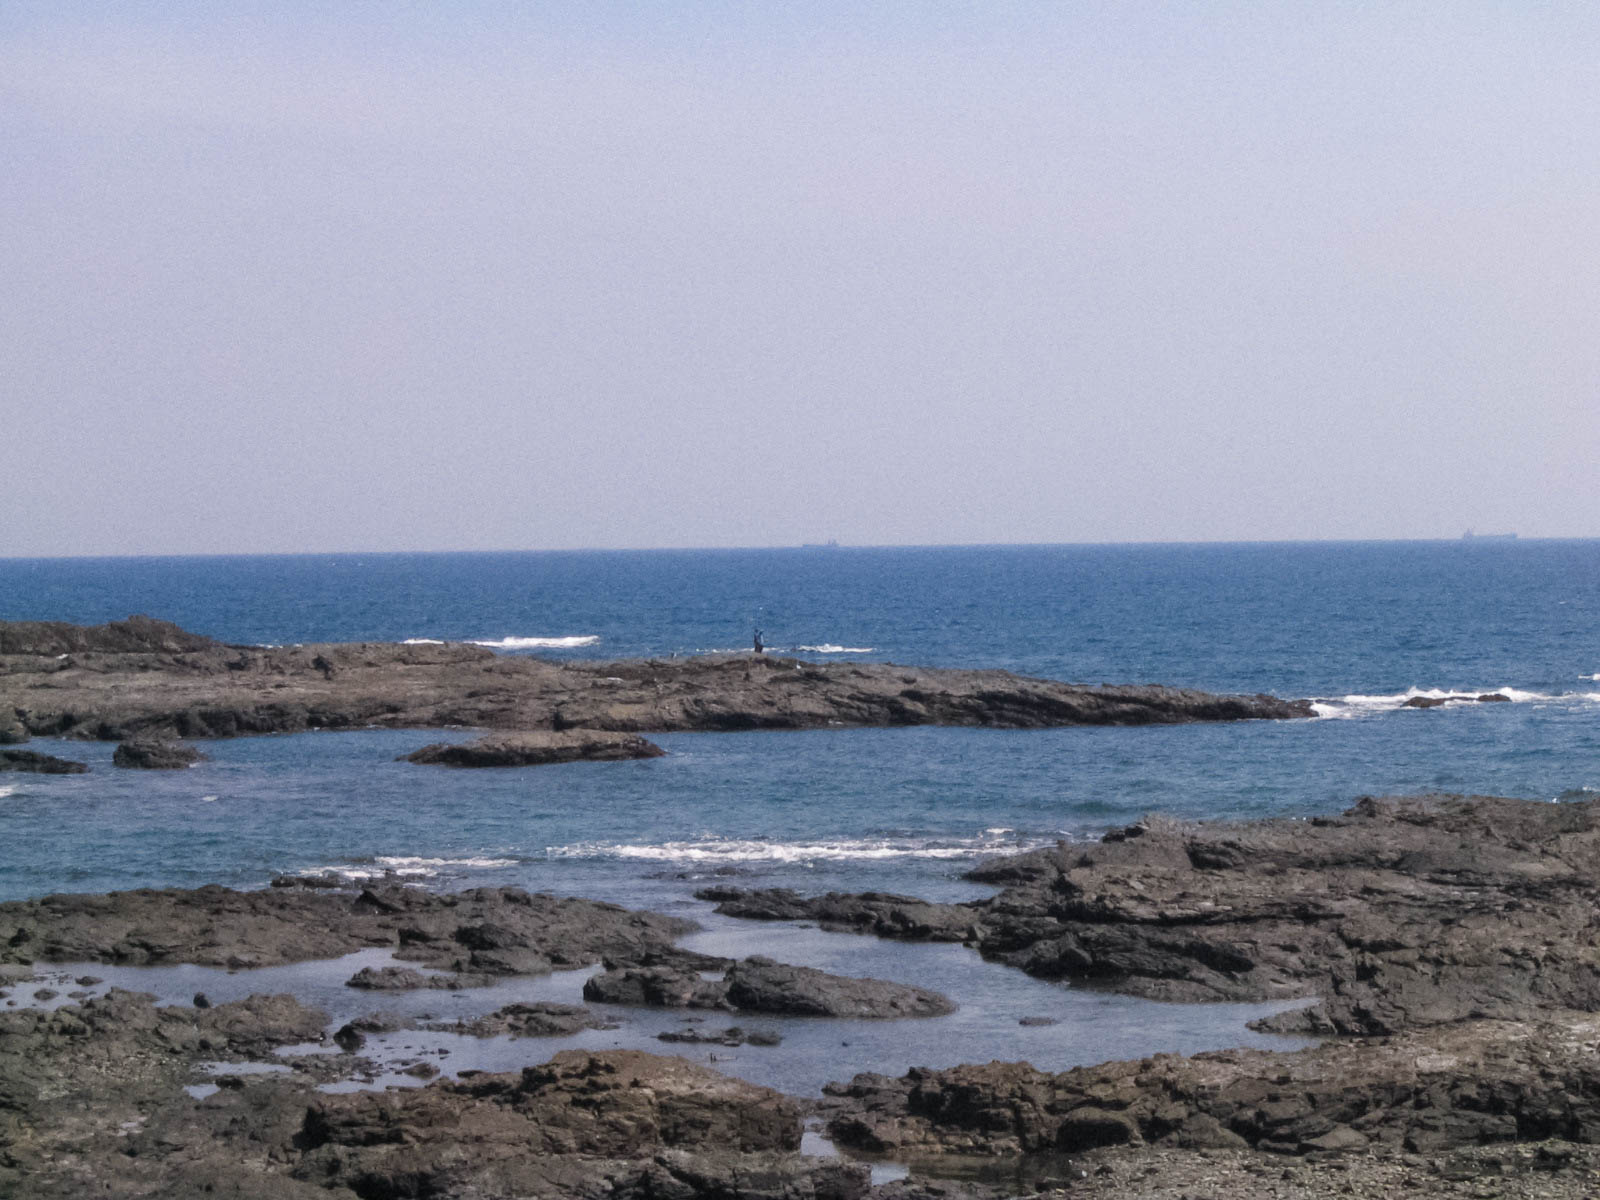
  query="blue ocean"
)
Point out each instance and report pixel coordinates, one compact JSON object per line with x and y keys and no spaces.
{"x":1358,"y":627}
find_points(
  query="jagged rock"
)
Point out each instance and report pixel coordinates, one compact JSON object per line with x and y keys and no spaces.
{"x":1399,"y":913}
{"x":760,"y":985}
{"x":537,"y":749}
{"x":152,"y":755}
{"x":614,"y":1104}
{"x":12,"y":733}
{"x":39,"y":764}
{"x":880,"y":913}
{"x":1426,"y":1092}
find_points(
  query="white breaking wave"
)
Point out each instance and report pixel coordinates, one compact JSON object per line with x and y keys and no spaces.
{"x":422,"y":642}
{"x":850,"y":850}
{"x":7,"y":789}
{"x":1595,"y":677}
{"x":409,"y":866}
{"x":830,"y":648}
{"x":542,"y":643}
{"x":1359,"y":705}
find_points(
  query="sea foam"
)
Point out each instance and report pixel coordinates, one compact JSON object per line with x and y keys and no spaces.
{"x":541,"y":643}
{"x":713,"y":851}
{"x":1361,"y":705}
{"x":408,"y":866}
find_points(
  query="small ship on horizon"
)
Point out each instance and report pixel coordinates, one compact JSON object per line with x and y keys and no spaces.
{"x":1471,"y":536}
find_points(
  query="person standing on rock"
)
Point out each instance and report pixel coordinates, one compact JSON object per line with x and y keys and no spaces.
{"x":760,"y":649}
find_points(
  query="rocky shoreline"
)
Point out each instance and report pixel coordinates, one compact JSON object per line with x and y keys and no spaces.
{"x":148,"y":679}
{"x":1446,"y":947}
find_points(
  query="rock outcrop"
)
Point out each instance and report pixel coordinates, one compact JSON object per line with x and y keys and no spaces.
{"x":537,"y":749}
{"x":144,"y":678}
{"x":32,"y":762}
{"x":484,"y":931}
{"x":1469,"y":1084}
{"x":150,"y":754}
{"x":1398,"y":914}
{"x":760,"y":985}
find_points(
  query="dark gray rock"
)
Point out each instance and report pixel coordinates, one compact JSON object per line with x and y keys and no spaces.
{"x":39,"y":764}
{"x":760,"y":985}
{"x":150,"y":754}
{"x":530,"y":1020}
{"x":537,"y":748}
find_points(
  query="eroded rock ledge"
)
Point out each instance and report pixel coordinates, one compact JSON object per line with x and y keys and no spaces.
{"x":481,"y":932}
{"x":1398,"y":914}
{"x":142,"y":677}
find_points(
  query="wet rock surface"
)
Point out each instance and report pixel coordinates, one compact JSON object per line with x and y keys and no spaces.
{"x":483,"y":931}
{"x":760,"y":985}
{"x":1469,"y":1084}
{"x":530,"y":1020}
{"x":93,"y":1102}
{"x":537,"y":749}
{"x":152,"y":754}
{"x":1398,"y":913}
{"x":1449,"y":942}
{"x":32,"y":762}
{"x":149,"y":678}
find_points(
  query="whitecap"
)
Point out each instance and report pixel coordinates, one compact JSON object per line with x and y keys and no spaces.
{"x":422,"y":642}
{"x":1362,"y":705}
{"x":209,"y":799}
{"x":408,"y":866}
{"x":830,"y":648}
{"x":7,"y":789}
{"x":712,"y":851}
{"x":572,"y":642}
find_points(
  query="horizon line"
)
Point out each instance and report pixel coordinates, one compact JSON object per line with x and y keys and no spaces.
{"x":822,"y":547}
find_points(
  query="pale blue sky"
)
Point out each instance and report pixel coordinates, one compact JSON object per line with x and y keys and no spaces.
{"x":496,"y":275}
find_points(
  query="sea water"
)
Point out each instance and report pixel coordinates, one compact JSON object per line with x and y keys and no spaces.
{"x":1358,"y":628}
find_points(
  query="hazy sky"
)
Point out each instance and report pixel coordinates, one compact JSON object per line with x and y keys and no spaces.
{"x":506,"y":275}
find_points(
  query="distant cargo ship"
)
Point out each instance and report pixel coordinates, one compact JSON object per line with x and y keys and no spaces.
{"x":1470,"y":536}
{"x":833,"y":545}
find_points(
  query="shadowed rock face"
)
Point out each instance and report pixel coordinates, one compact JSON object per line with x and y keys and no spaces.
{"x":1397,"y":914}
{"x":148,"y":678}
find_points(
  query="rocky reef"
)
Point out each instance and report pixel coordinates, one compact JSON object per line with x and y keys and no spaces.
{"x":147,"y":678}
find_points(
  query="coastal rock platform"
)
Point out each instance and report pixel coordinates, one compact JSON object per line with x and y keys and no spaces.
{"x":148,"y":678}
{"x":1398,"y":914}
{"x":1447,"y":944}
